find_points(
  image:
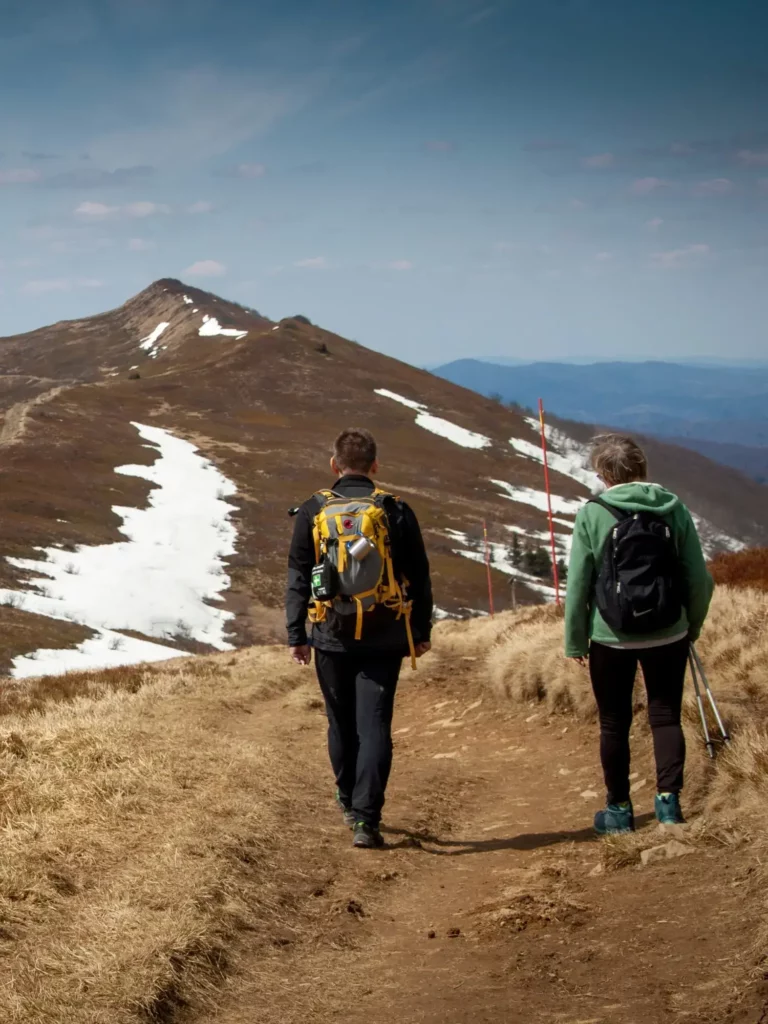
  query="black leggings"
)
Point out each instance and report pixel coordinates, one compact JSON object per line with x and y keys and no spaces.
{"x":613,"y":679}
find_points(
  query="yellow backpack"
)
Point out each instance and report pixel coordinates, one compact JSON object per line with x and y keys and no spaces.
{"x":353,"y":554}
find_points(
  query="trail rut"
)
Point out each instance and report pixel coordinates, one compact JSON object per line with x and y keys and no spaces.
{"x":489,"y":904}
{"x":15,"y":420}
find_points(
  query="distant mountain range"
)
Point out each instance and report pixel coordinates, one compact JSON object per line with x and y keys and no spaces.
{"x":719,"y":411}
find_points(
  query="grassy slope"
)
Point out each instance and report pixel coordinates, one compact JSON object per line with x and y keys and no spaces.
{"x":137,"y":837}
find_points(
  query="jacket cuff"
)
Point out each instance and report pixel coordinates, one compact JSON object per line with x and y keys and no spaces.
{"x":297,"y":640}
{"x":576,"y":652}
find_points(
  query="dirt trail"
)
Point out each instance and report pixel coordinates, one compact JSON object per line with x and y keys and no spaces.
{"x":15,"y":419}
{"x":485,"y":906}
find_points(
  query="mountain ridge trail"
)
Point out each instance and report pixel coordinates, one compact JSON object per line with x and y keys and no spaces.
{"x":490,"y":903}
{"x":15,"y":420}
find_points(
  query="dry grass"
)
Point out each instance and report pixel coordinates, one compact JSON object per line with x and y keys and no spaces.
{"x":523,"y":653}
{"x":138,"y":835}
{"x":742,"y":569}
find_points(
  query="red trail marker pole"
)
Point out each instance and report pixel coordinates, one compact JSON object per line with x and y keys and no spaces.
{"x":555,"y":572}
{"x":488,"y":567}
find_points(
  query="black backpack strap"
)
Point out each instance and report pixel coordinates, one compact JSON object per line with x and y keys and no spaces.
{"x":617,"y":513}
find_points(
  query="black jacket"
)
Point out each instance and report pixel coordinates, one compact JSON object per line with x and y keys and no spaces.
{"x":382,"y":631}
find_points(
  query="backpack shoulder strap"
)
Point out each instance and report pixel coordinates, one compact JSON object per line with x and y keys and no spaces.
{"x":324,"y":496}
{"x":617,"y":513}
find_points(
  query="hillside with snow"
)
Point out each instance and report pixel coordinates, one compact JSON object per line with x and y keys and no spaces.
{"x":150,"y":455}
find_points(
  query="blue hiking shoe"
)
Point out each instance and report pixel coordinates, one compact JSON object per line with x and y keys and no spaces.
{"x":668,"y":811}
{"x":346,"y":812}
{"x":615,"y":820}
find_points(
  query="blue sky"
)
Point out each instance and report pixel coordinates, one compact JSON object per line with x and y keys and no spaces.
{"x":433,"y":178}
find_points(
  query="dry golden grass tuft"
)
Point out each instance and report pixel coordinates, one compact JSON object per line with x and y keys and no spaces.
{"x":523,"y":654}
{"x":138,"y":836}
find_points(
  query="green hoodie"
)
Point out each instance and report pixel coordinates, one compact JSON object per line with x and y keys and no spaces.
{"x":583,"y":622}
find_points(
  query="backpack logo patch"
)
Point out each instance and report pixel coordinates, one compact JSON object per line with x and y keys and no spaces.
{"x":348,"y":524}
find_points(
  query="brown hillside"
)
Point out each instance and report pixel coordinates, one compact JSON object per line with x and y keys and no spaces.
{"x":264,"y":408}
{"x":742,"y":569}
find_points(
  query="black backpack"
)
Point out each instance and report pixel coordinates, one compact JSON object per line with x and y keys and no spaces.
{"x":639,"y":586}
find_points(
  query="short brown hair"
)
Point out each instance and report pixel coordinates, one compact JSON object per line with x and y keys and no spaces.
{"x":618,"y":458}
{"x":355,"y":450}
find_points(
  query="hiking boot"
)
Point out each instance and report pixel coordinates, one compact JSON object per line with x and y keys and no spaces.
{"x":616,"y":819}
{"x":668,"y":811}
{"x":346,"y":812}
{"x":367,"y":837}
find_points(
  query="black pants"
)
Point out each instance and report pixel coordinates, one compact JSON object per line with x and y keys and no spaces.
{"x":359,"y":696}
{"x":613,"y":679}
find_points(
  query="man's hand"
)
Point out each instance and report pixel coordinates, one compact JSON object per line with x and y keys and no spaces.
{"x":302,"y":655}
{"x":421,"y":649}
{"x":580,"y":661}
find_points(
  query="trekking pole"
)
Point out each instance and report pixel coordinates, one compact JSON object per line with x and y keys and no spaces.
{"x":711,"y":697}
{"x":707,"y":738}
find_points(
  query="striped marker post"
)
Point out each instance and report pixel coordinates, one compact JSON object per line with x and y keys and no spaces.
{"x":488,"y":567}
{"x":555,"y":572}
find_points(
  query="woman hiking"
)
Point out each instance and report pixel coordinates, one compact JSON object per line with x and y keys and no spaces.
{"x":638,"y":592}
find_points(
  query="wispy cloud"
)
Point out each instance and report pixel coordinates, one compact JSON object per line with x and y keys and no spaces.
{"x":313,"y":263}
{"x":645,"y":186}
{"x":752,"y":158}
{"x":440,"y":146}
{"x":140,"y":244}
{"x":145,"y":209}
{"x":38,"y":156}
{"x":672,"y":259}
{"x":250,"y":171}
{"x":59,"y":284}
{"x":202,"y":206}
{"x":577,"y":204}
{"x":599,"y":160}
{"x":206,"y":268}
{"x":91,"y":177}
{"x":397,"y":265}
{"x":654,"y":223}
{"x":715,"y":187}
{"x":91,"y":209}
{"x":138,"y":210}
{"x":200,"y":115}
{"x":603,"y":257}
{"x":20,"y":176}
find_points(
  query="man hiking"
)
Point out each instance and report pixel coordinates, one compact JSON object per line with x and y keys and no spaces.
{"x":357,"y":566}
{"x":638,"y":592}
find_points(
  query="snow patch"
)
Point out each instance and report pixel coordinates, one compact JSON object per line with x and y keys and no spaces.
{"x":149,"y":344}
{"x":564,"y":455}
{"x":501,"y":559}
{"x":714,"y":540}
{"x":187,"y":300}
{"x":436,"y":425}
{"x":106,"y":649}
{"x":160,"y":580}
{"x":538,"y":499}
{"x":212,"y":328}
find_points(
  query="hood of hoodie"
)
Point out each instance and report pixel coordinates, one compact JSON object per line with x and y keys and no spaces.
{"x":637,"y":496}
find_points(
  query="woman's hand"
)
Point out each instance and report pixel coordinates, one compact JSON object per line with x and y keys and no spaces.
{"x":580,"y":660}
